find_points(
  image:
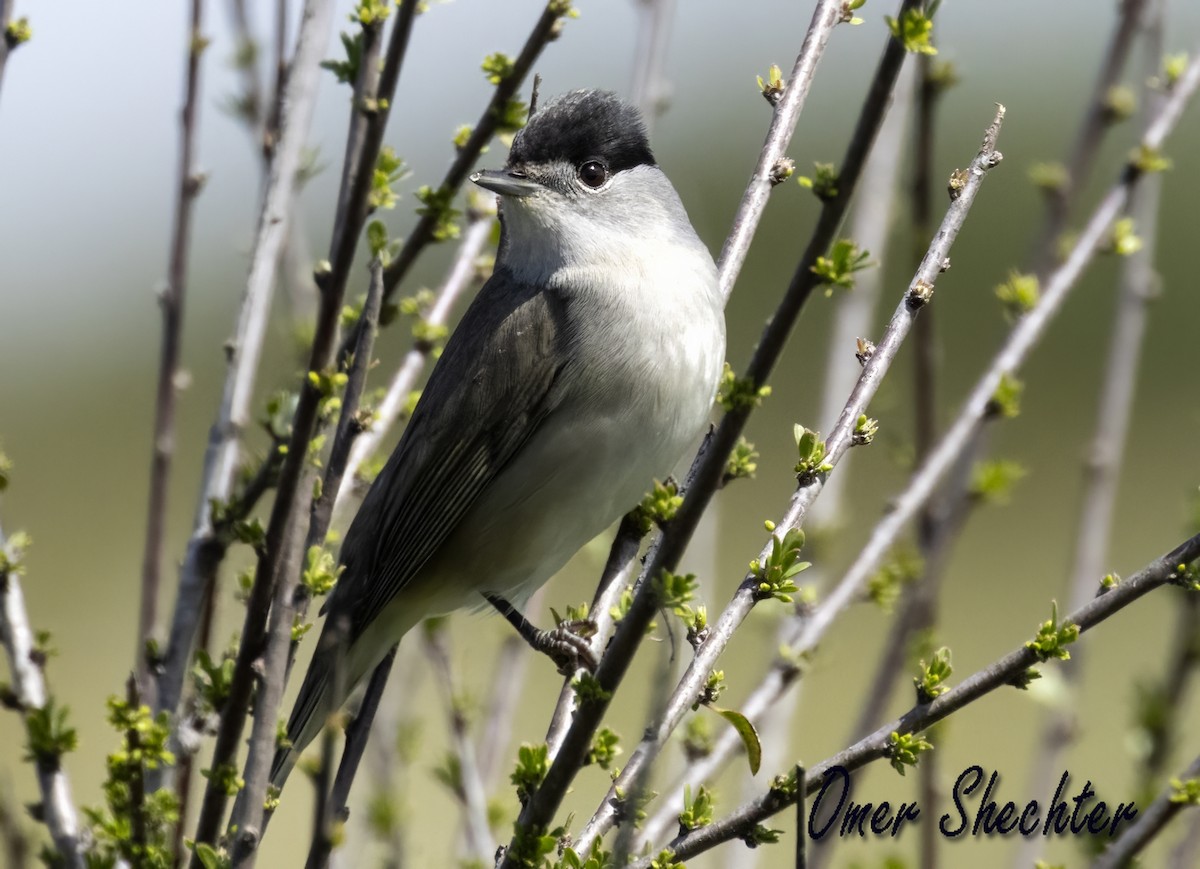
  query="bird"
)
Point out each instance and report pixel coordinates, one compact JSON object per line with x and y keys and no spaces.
{"x":582,"y":371}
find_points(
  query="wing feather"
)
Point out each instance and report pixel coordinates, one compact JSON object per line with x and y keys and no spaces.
{"x":501,"y":375}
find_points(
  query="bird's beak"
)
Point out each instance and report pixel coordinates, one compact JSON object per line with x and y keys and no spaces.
{"x":505,"y":182}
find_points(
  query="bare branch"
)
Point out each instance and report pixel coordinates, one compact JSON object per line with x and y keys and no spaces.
{"x":767,"y":705}
{"x":171,"y":300}
{"x":1148,"y":825}
{"x":1003,"y":672}
{"x":1088,"y":137}
{"x":29,"y":688}
{"x":221,"y":456}
{"x":1016,"y":348}
{"x":477,"y":839}
{"x":826,"y":16}
{"x":1098,"y":498}
{"x":1185,"y":854}
{"x":291,"y":598}
{"x":301,"y":85}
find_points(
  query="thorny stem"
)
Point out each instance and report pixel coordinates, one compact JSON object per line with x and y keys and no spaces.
{"x":836,"y":446}
{"x":1002,"y":672}
{"x":171,"y":300}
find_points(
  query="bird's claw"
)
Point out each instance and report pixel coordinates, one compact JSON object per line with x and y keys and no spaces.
{"x":568,"y":645}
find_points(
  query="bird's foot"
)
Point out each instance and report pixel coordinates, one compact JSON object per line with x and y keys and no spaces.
{"x":567,"y":644}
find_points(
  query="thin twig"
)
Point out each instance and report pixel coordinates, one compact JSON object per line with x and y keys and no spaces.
{"x":1006,"y":671}
{"x":171,"y":300}
{"x":477,"y":839}
{"x":271,"y":123}
{"x":462,"y":276}
{"x":921,"y":608}
{"x":291,"y":598}
{"x":389,"y":766}
{"x":373,"y":96}
{"x":780,"y":682}
{"x":1170,"y":693}
{"x":1101,"y":469}
{"x":221,"y":457}
{"x":826,"y":16}
{"x":617,"y":575}
{"x":853,"y":317}
{"x":1187,"y":852}
{"x":137,"y":778}
{"x":301,"y":85}
{"x":357,"y":734}
{"x":716,"y":446}
{"x":1148,"y":825}
{"x":1016,"y":348}
{"x":1088,"y":137}
{"x":839,"y":441}
{"x":248,"y":105}
{"x":325,"y":816}
{"x":29,"y":689}
{"x":462,"y":273}
{"x":545,"y":31}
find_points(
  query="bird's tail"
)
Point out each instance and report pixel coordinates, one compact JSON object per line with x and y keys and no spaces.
{"x":313,"y":707}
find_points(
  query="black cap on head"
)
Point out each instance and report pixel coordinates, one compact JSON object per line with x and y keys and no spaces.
{"x":584,"y":125}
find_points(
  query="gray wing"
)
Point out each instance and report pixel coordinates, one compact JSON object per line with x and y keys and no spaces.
{"x":499,"y":377}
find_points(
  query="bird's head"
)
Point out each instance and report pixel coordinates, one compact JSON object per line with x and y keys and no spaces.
{"x":582,"y":184}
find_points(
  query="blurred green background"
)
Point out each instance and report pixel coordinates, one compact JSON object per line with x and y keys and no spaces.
{"x":88,"y":127}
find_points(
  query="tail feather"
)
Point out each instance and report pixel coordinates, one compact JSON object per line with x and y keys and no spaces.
{"x":313,"y":706}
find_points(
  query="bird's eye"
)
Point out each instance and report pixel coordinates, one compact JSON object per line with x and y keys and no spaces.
{"x":593,"y":174}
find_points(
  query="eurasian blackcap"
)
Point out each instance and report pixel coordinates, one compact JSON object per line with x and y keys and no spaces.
{"x":583,"y":370}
